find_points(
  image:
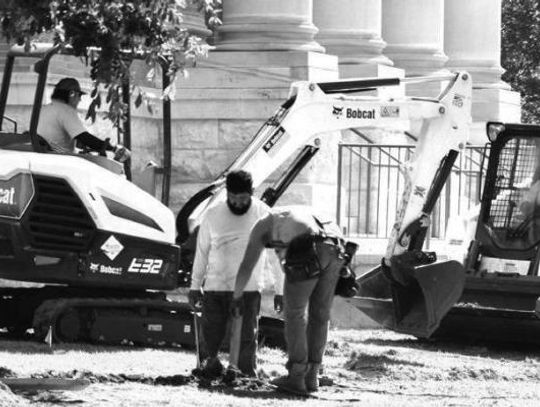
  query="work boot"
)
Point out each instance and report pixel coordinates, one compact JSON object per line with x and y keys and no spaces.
{"x":312,"y":377}
{"x":294,"y":382}
{"x":212,"y":368}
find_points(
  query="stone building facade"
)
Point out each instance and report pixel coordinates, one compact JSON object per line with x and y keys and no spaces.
{"x":263,"y":46}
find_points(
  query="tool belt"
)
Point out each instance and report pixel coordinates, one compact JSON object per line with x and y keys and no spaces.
{"x":302,"y":260}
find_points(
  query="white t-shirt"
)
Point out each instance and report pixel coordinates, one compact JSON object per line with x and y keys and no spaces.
{"x":59,"y":124}
{"x":221,"y":243}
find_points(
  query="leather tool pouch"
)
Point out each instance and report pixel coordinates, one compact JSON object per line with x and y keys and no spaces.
{"x":347,"y":285}
{"x":302,"y":260}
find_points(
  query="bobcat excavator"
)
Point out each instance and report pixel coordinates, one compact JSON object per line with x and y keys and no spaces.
{"x":75,"y":224}
{"x":106,"y":251}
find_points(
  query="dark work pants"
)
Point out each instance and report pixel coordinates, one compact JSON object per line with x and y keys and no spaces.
{"x":215,"y":316}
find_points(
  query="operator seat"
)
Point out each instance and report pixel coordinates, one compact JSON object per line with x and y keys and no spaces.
{"x":23,"y":142}
{"x":15,"y":141}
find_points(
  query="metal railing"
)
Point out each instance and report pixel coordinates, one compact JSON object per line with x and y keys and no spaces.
{"x":370,"y":185}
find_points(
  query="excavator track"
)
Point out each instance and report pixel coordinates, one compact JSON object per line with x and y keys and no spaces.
{"x":146,"y":322}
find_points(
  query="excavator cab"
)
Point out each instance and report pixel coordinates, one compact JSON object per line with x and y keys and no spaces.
{"x":29,"y":141}
{"x":509,"y":216}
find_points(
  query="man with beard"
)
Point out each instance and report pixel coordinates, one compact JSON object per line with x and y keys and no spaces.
{"x":221,"y":242}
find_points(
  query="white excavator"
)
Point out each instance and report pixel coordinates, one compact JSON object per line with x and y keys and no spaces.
{"x":105,"y":250}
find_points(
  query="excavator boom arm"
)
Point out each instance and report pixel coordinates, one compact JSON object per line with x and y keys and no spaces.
{"x":314,"y":109}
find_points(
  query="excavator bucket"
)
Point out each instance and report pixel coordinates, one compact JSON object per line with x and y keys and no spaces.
{"x":417,"y":307}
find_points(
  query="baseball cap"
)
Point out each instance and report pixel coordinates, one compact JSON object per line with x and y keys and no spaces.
{"x":70,"y":84}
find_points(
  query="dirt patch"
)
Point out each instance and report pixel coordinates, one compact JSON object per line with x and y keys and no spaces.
{"x":5,"y":372}
{"x":395,"y":365}
{"x":335,"y":348}
{"x":385,"y":364}
{"x":8,"y":399}
{"x":376,"y":367}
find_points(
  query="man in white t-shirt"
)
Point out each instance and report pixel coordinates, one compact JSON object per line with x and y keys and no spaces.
{"x":221,"y":242}
{"x":60,"y":125}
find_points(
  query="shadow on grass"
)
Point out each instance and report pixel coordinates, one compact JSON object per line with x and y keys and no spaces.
{"x":253,"y":394}
{"x":28,"y":345}
{"x":233,"y":385}
{"x":266,"y":393}
{"x":463,"y":346}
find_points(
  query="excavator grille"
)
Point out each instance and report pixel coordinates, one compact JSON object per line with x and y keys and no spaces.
{"x":57,"y":219}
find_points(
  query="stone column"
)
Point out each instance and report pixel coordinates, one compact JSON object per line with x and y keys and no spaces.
{"x":413,"y":30}
{"x":351,"y":29}
{"x":472,"y":41}
{"x":277,"y":25}
{"x":260,"y":49}
{"x":194,"y":21}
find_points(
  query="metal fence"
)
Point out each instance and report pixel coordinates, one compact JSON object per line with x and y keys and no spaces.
{"x":370,"y":184}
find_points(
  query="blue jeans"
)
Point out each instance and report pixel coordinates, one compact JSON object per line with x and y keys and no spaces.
{"x":216,"y":315}
{"x":307,"y":335}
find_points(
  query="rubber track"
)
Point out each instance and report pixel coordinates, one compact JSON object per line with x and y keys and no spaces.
{"x":48,"y":313}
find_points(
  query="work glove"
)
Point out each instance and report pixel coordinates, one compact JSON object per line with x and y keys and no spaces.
{"x":347,"y":286}
{"x":195,"y":298}
{"x":121,"y":153}
{"x":278,"y":303}
{"x":237,"y":307}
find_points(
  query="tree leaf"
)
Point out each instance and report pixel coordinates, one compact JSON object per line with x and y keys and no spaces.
{"x":138,"y":100}
{"x":520,"y":53}
{"x":91,"y":113}
{"x":154,"y":28}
